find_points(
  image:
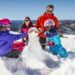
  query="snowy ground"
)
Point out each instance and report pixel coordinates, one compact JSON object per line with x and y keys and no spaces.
{"x":69,"y":42}
{"x":56,"y":66}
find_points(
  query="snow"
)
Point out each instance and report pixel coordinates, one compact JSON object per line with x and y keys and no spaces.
{"x":31,"y":66}
{"x":68,"y":42}
{"x":3,"y":69}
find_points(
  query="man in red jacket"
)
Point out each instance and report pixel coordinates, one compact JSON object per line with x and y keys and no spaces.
{"x":48,"y":15}
{"x":48,"y":27}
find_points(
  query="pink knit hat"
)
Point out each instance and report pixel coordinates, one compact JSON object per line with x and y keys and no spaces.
{"x":5,"y":22}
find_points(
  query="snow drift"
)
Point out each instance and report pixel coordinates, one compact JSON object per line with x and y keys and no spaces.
{"x":32,"y":64}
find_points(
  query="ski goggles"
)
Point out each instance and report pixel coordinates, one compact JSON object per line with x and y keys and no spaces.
{"x":6,"y":26}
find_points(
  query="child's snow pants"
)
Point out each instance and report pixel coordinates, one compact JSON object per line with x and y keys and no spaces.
{"x":57,"y":48}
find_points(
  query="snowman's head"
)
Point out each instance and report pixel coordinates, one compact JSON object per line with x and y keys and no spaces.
{"x":33,"y":32}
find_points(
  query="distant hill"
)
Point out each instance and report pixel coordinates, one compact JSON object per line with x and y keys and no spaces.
{"x":66,"y":26}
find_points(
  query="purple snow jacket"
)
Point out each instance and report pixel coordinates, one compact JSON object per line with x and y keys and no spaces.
{"x":6,"y":41}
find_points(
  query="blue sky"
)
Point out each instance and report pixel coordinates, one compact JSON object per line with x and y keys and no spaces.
{"x":18,"y":9}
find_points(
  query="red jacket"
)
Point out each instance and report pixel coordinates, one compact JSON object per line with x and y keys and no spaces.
{"x":41,"y":20}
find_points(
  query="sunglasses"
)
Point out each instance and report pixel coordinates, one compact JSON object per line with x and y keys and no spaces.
{"x":49,"y":11}
{"x":26,"y":20}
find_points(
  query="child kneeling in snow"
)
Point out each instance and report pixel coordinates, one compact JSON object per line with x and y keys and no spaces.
{"x":53,"y":36}
{"x":7,"y":38}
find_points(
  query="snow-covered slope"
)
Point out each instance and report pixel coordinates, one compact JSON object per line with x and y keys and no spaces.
{"x":57,"y":66}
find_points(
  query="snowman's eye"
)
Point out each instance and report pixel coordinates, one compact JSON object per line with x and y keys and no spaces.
{"x":36,"y":32}
{"x":31,"y":31}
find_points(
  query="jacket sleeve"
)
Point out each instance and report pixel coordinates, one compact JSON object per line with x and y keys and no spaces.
{"x":38,"y":23}
{"x":57,"y":23}
{"x":18,"y":36}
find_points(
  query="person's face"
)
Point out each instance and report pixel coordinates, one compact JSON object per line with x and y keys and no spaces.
{"x":49,"y":10}
{"x":7,"y":28}
{"x":27,"y":22}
